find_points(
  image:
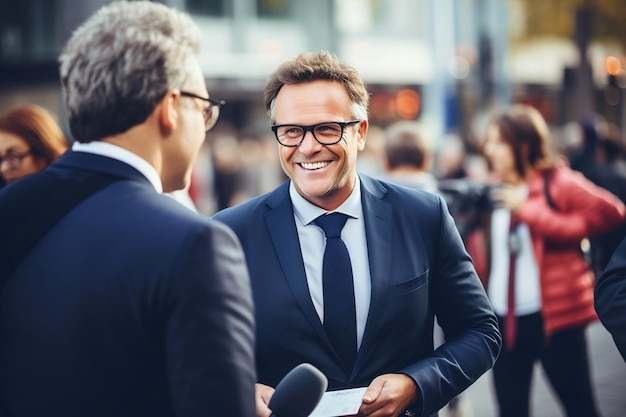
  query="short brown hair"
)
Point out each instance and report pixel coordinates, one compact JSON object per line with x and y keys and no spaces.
{"x":313,"y":66}
{"x":405,"y":146}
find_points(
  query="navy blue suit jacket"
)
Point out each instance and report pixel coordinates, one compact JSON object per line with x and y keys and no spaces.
{"x":131,"y":305}
{"x":419,"y":270}
{"x":610,"y":297}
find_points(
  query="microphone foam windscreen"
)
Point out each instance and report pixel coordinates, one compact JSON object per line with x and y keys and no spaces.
{"x":299,"y":392}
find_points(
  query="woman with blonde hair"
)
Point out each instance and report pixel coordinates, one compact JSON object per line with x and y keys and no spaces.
{"x":30,"y":140}
{"x":539,"y":284}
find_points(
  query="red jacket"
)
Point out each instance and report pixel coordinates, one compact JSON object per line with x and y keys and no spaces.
{"x":584,"y":210}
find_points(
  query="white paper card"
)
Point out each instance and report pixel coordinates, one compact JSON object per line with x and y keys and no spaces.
{"x":339,"y":403}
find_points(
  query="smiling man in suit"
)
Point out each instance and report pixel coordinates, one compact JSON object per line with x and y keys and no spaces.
{"x":115,"y":300}
{"x":357,"y":299}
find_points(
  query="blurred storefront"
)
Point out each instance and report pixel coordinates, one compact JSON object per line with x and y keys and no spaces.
{"x":444,"y":62}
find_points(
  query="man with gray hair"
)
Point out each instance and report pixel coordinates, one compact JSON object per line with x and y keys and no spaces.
{"x":116,"y":300}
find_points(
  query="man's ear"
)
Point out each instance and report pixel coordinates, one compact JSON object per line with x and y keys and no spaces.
{"x":362,"y":134}
{"x":167,"y":114}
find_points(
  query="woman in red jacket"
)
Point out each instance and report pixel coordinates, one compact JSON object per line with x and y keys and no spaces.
{"x":542,"y":212}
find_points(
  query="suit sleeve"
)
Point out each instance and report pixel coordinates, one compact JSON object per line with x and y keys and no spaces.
{"x":465,"y":314}
{"x":610,"y":298}
{"x":210,"y":327}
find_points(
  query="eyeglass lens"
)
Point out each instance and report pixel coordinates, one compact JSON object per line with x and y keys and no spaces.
{"x":211,"y":115}
{"x":326,"y":133}
{"x":14,"y":160}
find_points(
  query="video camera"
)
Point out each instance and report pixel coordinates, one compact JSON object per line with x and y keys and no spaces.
{"x":467,"y":200}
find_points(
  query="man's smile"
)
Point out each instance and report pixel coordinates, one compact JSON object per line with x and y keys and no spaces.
{"x":314,"y":165}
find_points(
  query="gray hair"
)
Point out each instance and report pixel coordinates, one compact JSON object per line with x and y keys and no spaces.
{"x":313,"y":66}
{"x":119,"y":63}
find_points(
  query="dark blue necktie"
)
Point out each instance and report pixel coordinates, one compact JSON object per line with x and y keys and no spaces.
{"x":339,"y":306}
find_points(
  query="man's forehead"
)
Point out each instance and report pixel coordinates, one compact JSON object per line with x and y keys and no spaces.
{"x":312,"y":98}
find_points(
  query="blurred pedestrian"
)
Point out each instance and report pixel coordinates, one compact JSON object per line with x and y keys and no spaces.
{"x":407,"y":162}
{"x":115,"y":300}
{"x":407,"y":157}
{"x":30,"y":140}
{"x":450,"y":158}
{"x":603,"y":161}
{"x":539,"y":283}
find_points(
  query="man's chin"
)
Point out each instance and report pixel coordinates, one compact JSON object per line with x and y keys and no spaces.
{"x":313,"y":190}
{"x":321,"y":196}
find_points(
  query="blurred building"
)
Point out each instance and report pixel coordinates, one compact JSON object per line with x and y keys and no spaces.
{"x":444,"y":62}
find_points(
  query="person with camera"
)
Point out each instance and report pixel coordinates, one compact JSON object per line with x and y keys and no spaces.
{"x":540,"y":285}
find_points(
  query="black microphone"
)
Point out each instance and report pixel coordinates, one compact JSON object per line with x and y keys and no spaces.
{"x":299,"y":392}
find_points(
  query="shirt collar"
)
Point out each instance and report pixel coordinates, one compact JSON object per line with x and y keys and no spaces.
{"x":307,"y":212}
{"x":124,"y":155}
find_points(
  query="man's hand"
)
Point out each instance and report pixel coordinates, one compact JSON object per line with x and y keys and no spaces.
{"x":510,"y":197}
{"x":263,"y":393}
{"x":388,"y":396}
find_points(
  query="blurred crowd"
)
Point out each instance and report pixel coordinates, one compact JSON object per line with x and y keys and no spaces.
{"x":232,"y":168}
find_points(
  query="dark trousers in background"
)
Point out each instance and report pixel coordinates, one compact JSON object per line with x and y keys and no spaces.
{"x":564,"y":359}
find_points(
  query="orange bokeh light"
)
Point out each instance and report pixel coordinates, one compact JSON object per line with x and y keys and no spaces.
{"x":613,"y":66}
{"x":408,"y":103}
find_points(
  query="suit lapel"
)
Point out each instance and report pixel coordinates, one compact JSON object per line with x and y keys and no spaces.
{"x":282,"y":229}
{"x":378,"y":229}
{"x":378,"y":218}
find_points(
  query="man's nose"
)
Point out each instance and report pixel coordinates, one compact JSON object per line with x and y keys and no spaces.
{"x":309,"y":144}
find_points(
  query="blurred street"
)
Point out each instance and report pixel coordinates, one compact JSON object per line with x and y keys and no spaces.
{"x":609,"y":376}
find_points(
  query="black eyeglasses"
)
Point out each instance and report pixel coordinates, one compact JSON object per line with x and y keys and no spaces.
{"x":326,"y":133}
{"x":14,"y":159}
{"x":211,"y":112}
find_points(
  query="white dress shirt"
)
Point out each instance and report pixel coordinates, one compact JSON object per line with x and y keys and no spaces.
{"x":126,"y":156}
{"x":527,"y":290}
{"x":313,"y":242}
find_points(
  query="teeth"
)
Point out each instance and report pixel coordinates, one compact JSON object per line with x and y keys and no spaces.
{"x":313,"y":165}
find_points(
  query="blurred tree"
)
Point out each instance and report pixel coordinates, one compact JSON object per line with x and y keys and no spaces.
{"x":558,"y":18}
{"x":583,"y":21}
